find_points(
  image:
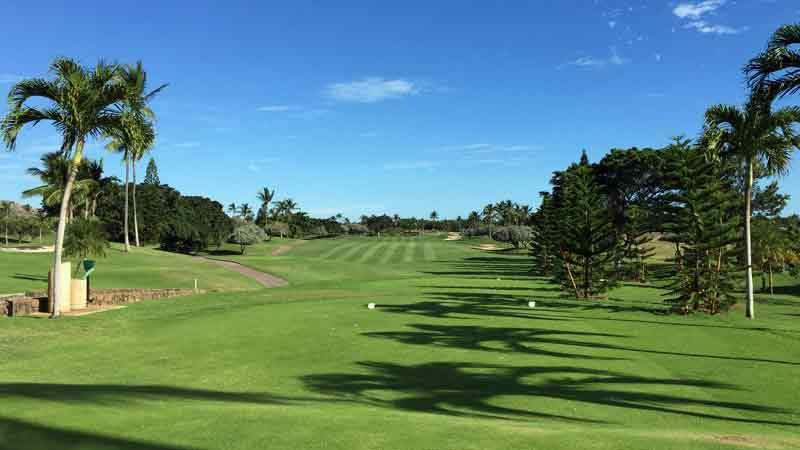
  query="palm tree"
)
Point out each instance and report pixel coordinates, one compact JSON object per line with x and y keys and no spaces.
{"x":285,"y":208}
{"x":134,"y":78}
{"x":434,"y":216}
{"x":246,"y":211}
{"x":525,"y":212}
{"x":753,"y":138}
{"x":100,"y":186}
{"x":54,"y":175}
{"x":265,"y":196}
{"x":5,"y":216}
{"x":130,"y":140}
{"x":42,"y":221}
{"x":489,"y":212}
{"x":777,"y":69}
{"x":473,"y":219}
{"x":81,"y":104}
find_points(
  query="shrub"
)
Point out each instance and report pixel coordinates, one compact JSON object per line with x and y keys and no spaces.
{"x":85,"y":237}
{"x":247,"y":234}
{"x":355,"y":228}
{"x":475,"y":232}
{"x":516,"y":235}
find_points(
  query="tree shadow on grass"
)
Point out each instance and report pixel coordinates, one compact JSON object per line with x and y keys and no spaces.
{"x":505,"y":266}
{"x":793,"y":289}
{"x":22,"y":435}
{"x":29,"y":276}
{"x":468,"y":389}
{"x":223,"y":252}
{"x":116,"y":394}
{"x":499,"y":339}
{"x":532,"y":340}
{"x":456,"y":305}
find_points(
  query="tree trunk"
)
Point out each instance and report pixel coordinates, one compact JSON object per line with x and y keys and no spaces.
{"x":135,"y":217}
{"x":771,"y":289}
{"x":62,"y":226}
{"x":569,"y":273}
{"x":748,"y":192}
{"x":125,"y":227}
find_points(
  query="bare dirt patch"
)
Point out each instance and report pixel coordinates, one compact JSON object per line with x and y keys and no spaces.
{"x":264,"y":279}
{"x":281,"y":249}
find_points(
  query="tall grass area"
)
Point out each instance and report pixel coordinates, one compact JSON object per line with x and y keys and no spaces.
{"x":451,"y":358}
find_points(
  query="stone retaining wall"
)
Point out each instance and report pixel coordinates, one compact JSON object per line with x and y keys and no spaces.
{"x":32,"y":302}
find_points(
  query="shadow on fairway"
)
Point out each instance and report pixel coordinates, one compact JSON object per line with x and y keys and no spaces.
{"x":468,"y":389}
{"x":30,"y":277}
{"x":21,"y":435}
{"x":223,"y":252}
{"x":531,"y":340}
{"x":115,"y":393}
{"x":793,"y":289}
{"x":500,"y":339}
{"x":506,"y":266}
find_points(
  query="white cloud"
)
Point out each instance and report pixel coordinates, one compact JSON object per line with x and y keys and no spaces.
{"x":612,"y":24}
{"x":705,"y":27}
{"x":697,"y":10}
{"x":694,"y":13}
{"x":592,"y":62}
{"x":252,"y":167}
{"x":371,"y":90}
{"x":276,"y":108}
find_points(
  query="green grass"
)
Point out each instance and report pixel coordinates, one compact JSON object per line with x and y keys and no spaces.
{"x":452,"y":358}
{"x":142,"y":267}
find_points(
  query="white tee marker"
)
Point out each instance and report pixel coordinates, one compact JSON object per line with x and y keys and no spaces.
{"x":532,"y":304}
{"x":371,"y":306}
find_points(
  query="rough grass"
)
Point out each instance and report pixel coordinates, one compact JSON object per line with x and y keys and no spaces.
{"x":452,"y":358}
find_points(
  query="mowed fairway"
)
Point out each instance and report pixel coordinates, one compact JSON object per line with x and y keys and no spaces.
{"x":452,"y":358}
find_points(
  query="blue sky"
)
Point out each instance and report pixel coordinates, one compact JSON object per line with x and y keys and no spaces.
{"x":406,"y":107}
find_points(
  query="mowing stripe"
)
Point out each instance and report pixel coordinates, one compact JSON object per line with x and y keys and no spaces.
{"x":370,"y":252}
{"x":353,"y":251}
{"x":409,"y":253}
{"x":390,"y":250}
{"x":328,"y":254}
{"x":430,"y":253}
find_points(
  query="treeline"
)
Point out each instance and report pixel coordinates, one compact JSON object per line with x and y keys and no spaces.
{"x":163,"y":215}
{"x":596,"y":225}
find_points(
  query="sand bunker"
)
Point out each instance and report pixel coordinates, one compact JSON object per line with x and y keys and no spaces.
{"x":42,"y":249}
{"x":453,"y":237}
{"x":487,"y":247}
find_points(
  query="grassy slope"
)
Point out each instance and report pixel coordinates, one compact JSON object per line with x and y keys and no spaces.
{"x":452,"y":358}
{"x":143,"y":267}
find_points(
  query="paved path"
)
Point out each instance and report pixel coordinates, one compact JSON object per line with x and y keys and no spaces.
{"x":265,"y":279}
